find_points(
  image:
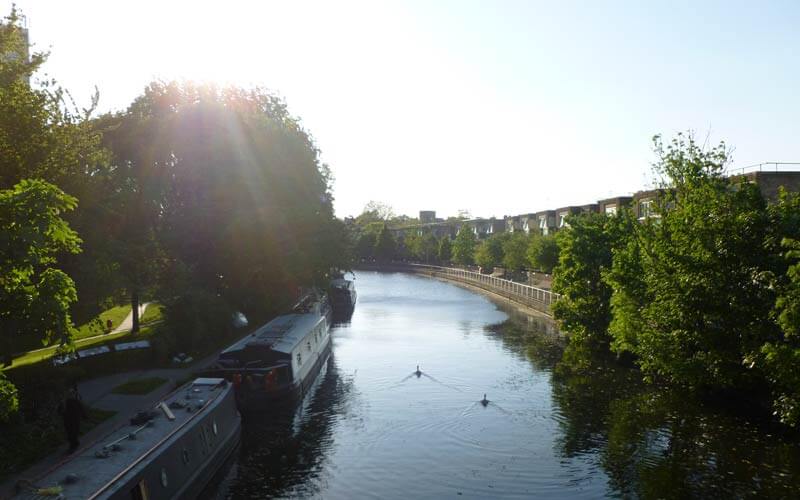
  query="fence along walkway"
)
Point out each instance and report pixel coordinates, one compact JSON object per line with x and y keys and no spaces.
{"x":537,"y":298}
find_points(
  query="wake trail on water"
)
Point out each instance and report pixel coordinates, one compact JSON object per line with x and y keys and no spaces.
{"x":422,"y":374}
{"x":468,"y":410}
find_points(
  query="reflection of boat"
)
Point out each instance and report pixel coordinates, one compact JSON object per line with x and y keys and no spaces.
{"x":285,"y":450}
{"x":343,"y":296}
{"x":281,"y":358}
{"x":170,"y":452}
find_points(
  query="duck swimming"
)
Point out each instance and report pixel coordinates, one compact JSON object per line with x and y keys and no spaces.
{"x":484,"y":401}
{"x":417,"y":373}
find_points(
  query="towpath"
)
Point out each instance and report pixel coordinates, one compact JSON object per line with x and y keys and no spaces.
{"x":97,"y":393}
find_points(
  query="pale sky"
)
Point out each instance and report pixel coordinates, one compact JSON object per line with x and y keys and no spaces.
{"x":497,"y":107}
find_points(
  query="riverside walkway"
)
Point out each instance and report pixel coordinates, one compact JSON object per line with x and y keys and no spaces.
{"x":97,"y":393}
{"x":530,"y":296}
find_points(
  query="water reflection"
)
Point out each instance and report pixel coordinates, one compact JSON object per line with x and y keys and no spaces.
{"x":281,"y":451}
{"x":556,"y":423}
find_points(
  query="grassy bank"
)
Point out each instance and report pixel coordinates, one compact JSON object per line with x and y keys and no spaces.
{"x":88,"y":337}
{"x":98,"y":325}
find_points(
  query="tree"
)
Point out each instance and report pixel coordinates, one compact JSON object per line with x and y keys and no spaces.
{"x":464,"y":246}
{"x":409,"y":247}
{"x":35,"y":296}
{"x":781,"y":356}
{"x":702,"y":274}
{"x":543,"y":253}
{"x":445,"y":250}
{"x":231,"y":188}
{"x":376,"y":211}
{"x":585,"y":252}
{"x":515,"y":250}
{"x":385,"y":245}
{"x":489,"y":253}
{"x":367,"y":237}
{"x":9,"y":399}
{"x":428,"y":248}
{"x":43,"y":136}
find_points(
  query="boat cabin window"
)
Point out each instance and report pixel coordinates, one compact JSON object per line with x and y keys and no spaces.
{"x":308,"y":345}
{"x":140,"y":492}
{"x":299,"y":358}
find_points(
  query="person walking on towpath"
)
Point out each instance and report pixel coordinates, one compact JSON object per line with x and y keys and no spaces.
{"x":71,"y":410}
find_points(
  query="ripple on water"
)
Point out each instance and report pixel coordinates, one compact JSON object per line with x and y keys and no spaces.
{"x":371,"y":431}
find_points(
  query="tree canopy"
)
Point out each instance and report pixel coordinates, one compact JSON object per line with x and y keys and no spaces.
{"x":445,"y":250}
{"x":543,"y":253}
{"x":35,"y":295}
{"x":464,"y":246}
{"x":703,"y":293}
{"x":489,"y":252}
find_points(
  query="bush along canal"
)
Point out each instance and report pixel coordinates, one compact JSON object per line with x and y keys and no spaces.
{"x":399,"y":412}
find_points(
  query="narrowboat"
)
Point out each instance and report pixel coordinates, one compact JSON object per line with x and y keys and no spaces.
{"x":169,"y":452}
{"x":280,"y":360}
{"x":343,"y":296}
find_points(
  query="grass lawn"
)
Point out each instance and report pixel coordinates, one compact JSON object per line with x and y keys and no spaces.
{"x":151,"y":314}
{"x":45,"y":354}
{"x":139,"y":386}
{"x":97,"y":326}
{"x":93,"y":327}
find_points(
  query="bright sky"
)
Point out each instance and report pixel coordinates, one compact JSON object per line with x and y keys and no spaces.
{"x":497,"y":107}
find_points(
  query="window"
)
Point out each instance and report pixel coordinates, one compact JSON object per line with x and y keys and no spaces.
{"x":562,"y":220}
{"x":308,"y":345}
{"x":645,"y":209}
{"x":299,"y":358}
{"x":611,"y":209}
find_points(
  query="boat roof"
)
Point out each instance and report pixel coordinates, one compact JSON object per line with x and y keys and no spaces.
{"x":282,"y":334}
{"x":109,"y":462}
{"x":341,"y":283}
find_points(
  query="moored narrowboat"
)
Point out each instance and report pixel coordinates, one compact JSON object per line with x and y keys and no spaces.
{"x":343,"y":296}
{"x":281,"y":359}
{"x":169,"y":452}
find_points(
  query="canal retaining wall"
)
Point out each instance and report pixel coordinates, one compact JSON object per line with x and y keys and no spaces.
{"x":538,"y":299}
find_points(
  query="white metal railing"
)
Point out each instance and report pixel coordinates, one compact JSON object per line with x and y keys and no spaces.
{"x":770,"y":166}
{"x":520,"y":290}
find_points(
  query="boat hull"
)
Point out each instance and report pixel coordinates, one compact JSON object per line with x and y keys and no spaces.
{"x":259,"y":400}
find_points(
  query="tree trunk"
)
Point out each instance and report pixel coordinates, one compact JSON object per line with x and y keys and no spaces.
{"x":135,"y":311}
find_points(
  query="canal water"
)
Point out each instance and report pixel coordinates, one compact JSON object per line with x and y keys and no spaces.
{"x":556,"y":425}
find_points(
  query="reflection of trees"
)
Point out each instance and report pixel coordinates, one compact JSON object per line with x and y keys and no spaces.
{"x":533,"y":338}
{"x":653,"y":442}
{"x":280,"y":455}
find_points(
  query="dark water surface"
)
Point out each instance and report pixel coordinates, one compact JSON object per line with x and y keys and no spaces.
{"x":372,"y":429}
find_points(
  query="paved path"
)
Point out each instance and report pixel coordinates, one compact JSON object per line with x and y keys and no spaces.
{"x":127,"y":323}
{"x":125,"y":326}
{"x":97,"y":393}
